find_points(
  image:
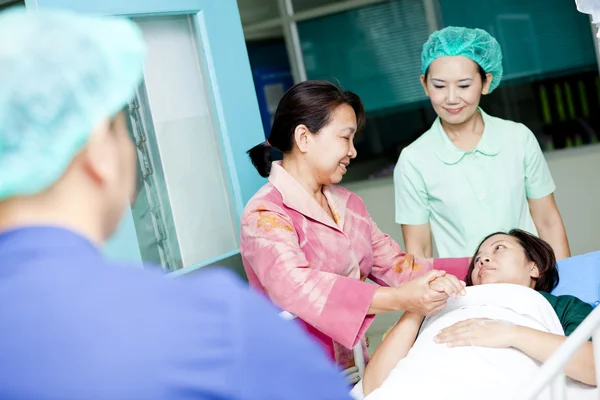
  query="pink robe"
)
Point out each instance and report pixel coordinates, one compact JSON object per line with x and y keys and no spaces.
{"x":315,"y":267}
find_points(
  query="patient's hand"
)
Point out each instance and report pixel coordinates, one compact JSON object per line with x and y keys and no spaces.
{"x":480,"y":332}
{"x":448,"y":284}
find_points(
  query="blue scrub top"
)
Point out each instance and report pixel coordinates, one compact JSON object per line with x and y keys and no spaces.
{"x":75,"y":326}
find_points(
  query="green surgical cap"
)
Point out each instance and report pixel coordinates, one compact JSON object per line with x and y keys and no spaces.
{"x":475,"y":44}
{"x":60,"y":75}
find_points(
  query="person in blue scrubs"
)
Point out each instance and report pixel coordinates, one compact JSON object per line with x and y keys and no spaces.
{"x":75,"y":325}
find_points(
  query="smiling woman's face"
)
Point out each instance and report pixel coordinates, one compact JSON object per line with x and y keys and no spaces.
{"x":501,"y":259}
{"x":454,"y":87}
{"x":329,"y":152}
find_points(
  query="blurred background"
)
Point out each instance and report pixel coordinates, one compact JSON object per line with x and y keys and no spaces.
{"x":372,"y":47}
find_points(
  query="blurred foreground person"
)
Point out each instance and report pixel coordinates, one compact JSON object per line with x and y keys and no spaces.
{"x":74,"y":325}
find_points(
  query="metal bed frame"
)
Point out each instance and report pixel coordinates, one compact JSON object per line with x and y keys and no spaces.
{"x":551,"y":373}
{"x":353,"y":374}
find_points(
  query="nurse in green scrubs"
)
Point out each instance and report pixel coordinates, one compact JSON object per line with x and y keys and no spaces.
{"x":471,"y":173}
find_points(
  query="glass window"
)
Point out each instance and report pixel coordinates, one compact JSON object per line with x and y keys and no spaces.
{"x":185,"y":211}
{"x":303,"y":5}
{"x":368,"y":51}
{"x":151,"y":211}
{"x":550,"y":68}
{"x":375,"y":52}
{"x":551,"y":81}
{"x":8,"y":3}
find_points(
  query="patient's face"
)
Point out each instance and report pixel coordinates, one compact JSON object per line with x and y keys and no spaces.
{"x":501,"y":259}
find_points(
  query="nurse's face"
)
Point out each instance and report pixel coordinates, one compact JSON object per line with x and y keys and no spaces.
{"x":454,"y":87}
{"x":329,"y":151}
{"x":502,"y":259}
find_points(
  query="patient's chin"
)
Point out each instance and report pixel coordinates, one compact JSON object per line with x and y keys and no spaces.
{"x":488,"y":280}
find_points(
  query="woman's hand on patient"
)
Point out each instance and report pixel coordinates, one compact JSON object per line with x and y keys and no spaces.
{"x":538,"y":345}
{"x":448,"y":284}
{"x":481,"y":332}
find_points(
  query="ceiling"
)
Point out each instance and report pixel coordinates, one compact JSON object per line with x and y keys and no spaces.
{"x":253,"y":11}
{"x":256,"y":11}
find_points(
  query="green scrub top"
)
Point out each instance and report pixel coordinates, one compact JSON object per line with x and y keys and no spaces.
{"x":570,"y":310}
{"x":466,"y":196}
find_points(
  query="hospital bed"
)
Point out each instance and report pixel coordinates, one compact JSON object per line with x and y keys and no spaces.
{"x":580,"y":277}
{"x":353,"y":374}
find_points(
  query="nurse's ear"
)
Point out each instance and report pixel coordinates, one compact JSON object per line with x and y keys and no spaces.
{"x":301,"y":137}
{"x":534,"y":271}
{"x":424,"y":83}
{"x":486,"y":85}
{"x":97,"y":157}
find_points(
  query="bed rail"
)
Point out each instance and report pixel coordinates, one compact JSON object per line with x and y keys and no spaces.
{"x":551,"y":372}
{"x":354,"y":374}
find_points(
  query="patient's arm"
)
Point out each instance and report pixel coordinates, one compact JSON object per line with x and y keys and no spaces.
{"x":541,"y":345}
{"x":394,"y":348}
{"x":536,"y":344}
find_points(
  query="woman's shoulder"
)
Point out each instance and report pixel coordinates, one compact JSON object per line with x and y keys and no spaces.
{"x":571,"y":310}
{"x":418,"y":154}
{"x":351,"y":198}
{"x":267,"y":198}
{"x":567,"y":303}
{"x":507,"y":128}
{"x":563,"y":298}
{"x":425,"y":143}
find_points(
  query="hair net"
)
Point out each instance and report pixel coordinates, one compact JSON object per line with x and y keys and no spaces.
{"x":60,"y":75}
{"x":475,"y":44}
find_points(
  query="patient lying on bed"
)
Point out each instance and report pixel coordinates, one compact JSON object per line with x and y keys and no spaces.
{"x":489,"y":342}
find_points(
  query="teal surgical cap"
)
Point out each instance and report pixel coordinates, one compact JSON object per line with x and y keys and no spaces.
{"x":475,"y":44}
{"x":60,"y":75}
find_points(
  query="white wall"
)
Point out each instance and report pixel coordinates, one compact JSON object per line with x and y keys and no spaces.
{"x":576,"y":173}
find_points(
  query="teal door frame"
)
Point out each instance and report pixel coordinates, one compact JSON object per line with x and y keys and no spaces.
{"x":224,"y":54}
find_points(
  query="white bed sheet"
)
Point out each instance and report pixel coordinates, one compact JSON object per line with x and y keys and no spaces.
{"x":435,"y":371}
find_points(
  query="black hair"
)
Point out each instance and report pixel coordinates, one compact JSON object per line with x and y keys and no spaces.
{"x":537,"y":251}
{"x":480,"y":70}
{"x":309,"y":103}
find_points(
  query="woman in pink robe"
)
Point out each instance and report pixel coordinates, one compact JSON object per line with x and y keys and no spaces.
{"x":310,"y":245}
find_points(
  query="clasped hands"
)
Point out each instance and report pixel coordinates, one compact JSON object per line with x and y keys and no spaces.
{"x":482,"y":332}
{"x":436,"y":287}
{"x":447,"y":284}
{"x":429,"y":293}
